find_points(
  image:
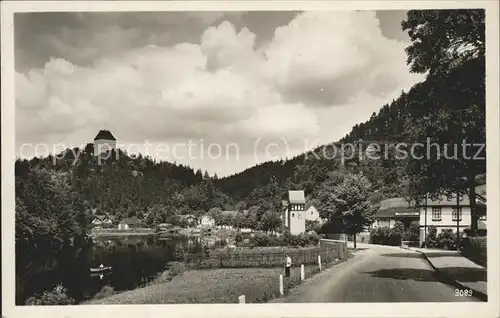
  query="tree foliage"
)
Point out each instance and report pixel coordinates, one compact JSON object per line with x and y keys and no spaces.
{"x":350,"y":202}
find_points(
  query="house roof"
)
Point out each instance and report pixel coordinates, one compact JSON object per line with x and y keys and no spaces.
{"x":451,"y":201}
{"x":296,"y":197}
{"x":104,"y":134}
{"x":396,"y":208}
{"x":311,"y":207}
{"x":132,"y":220}
{"x":102,"y":217}
{"x":394,"y":203}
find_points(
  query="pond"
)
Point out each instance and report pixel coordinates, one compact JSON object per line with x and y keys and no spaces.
{"x":134,"y":260}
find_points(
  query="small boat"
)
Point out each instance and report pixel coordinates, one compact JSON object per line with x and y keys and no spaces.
{"x":100,"y":269}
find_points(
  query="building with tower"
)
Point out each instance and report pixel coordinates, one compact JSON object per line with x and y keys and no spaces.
{"x":294,"y":212}
{"x":104,"y":141}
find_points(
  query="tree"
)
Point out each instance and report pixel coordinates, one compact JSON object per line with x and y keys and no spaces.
{"x":448,"y":109}
{"x":350,"y":202}
{"x":443,"y":39}
{"x":216,"y":215}
{"x":270,"y":221}
{"x":239,"y":220}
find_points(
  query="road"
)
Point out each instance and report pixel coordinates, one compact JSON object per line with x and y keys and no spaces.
{"x":377,"y":274}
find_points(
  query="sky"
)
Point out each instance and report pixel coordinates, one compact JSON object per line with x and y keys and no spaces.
{"x":220,"y":91}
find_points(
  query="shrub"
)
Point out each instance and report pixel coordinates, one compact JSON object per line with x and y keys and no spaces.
{"x":238,"y":238}
{"x":55,"y":297}
{"x":179,"y":253}
{"x":260,"y":239}
{"x":381,"y":235}
{"x":313,"y":238}
{"x":412,"y":233}
{"x":176,"y":268}
{"x":431,"y":239}
{"x":396,"y":234}
{"x":474,"y":248}
{"x":106,"y":291}
{"x":313,"y":226}
{"x":447,"y":240}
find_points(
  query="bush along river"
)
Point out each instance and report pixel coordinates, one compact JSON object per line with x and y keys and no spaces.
{"x":134,"y":261}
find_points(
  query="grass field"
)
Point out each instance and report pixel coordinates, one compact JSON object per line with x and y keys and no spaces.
{"x":212,"y":286}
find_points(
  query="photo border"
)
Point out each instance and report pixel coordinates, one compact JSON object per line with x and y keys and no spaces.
{"x":479,"y":309}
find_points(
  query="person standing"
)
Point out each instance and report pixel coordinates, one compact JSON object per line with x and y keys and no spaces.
{"x":288,"y":265}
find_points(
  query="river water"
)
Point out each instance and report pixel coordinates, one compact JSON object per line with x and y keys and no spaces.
{"x":134,"y":260}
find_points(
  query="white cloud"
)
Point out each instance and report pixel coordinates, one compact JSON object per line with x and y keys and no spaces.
{"x":223,"y":88}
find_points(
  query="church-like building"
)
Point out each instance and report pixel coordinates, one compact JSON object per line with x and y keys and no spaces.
{"x":294,"y":217}
{"x":104,"y":141}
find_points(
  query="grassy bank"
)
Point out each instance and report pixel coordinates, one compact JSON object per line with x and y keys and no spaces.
{"x":212,"y":286}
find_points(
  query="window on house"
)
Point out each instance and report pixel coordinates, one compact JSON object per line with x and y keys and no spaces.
{"x":311,"y":212}
{"x":436,"y":214}
{"x":293,"y":214}
{"x":456,"y":215}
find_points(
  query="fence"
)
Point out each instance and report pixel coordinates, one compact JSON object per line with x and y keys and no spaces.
{"x":339,"y":245}
{"x":249,"y":258}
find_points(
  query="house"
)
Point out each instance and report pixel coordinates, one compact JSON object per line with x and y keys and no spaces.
{"x":207,"y":220}
{"x":294,"y":212}
{"x":164,"y":226}
{"x":443,"y":213}
{"x":101,"y":221}
{"x":129,"y":223}
{"x":312,"y":214}
{"x":395,"y":209}
{"x":104,"y":141}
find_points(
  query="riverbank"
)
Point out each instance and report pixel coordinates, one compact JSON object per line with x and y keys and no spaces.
{"x":105,"y":233}
{"x":223,"y":285}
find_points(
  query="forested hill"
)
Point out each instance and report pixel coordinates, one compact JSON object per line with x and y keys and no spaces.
{"x":121,"y":187}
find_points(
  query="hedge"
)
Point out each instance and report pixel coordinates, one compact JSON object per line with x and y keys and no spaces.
{"x":474,"y":248}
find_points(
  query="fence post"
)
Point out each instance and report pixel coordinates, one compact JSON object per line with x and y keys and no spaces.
{"x":282,"y":292}
{"x":319,"y":262}
{"x":302,"y":272}
{"x":241,"y":299}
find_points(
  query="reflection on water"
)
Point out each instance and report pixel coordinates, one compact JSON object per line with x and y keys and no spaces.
{"x":135,"y":260}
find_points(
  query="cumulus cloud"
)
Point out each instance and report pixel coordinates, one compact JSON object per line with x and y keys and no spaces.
{"x":325,"y":58}
{"x":222,"y":88}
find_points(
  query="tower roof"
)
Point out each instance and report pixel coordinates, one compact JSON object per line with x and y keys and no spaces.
{"x":104,"y":134}
{"x":296,"y":197}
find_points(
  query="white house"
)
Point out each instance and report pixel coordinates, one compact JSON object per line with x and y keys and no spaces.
{"x":294,"y":212}
{"x":101,"y":221}
{"x":312,"y":214}
{"x":104,"y":141}
{"x":207,"y":220}
{"x":129,"y":223}
{"x":444,"y":214}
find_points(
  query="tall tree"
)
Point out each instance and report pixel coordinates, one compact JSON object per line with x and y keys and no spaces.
{"x":444,"y":39}
{"x":448,"y":109}
{"x":350,"y":202}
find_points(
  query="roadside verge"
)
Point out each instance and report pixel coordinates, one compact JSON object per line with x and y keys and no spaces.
{"x":450,"y":280}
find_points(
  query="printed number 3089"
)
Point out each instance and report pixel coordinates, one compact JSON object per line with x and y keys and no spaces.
{"x":463,"y":292}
